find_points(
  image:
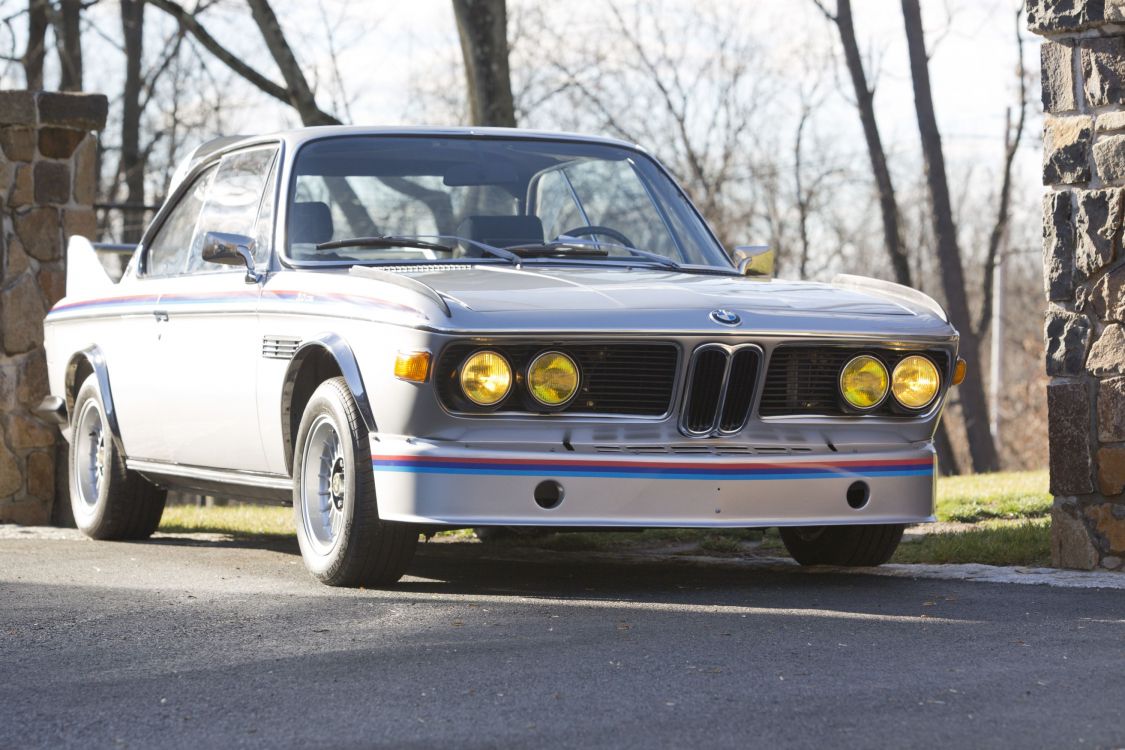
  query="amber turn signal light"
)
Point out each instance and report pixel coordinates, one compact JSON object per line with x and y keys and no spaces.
{"x":959,"y":371}
{"x":412,"y":366}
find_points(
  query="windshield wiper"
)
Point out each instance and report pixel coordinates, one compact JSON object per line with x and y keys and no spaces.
{"x":394,"y":240}
{"x":559,"y":248}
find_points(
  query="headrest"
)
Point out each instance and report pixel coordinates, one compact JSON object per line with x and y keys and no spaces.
{"x":501,"y":231}
{"x":310,"y":223}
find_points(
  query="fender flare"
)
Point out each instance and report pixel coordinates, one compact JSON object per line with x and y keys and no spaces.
{"x":93,"y":357}
{"x":336,"y":348}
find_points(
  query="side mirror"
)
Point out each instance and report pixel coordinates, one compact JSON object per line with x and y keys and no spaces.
{"x":755,"y":260}
{"x":231,"y":250}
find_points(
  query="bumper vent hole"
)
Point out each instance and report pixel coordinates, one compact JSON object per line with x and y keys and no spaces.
{"x":548,"y":494}
{"x":858,"y":494}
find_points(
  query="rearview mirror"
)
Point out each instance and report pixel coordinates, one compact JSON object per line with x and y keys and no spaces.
{"x":755,"y":260}
{"x":231,"y":250}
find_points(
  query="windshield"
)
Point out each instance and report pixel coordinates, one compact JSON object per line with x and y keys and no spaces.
{"x":461,"y":198}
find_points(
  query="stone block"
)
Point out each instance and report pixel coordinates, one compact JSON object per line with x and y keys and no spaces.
{"x":85,"y":171}
{"x":52,"y":280}
{"x":1111,"y":410}
{"x":1052,"y":16}
{"x":59,"y":143}
{"x":1107,"y":355}
{"x":80,"y":221}
{"x":18,"y":144}
{"x":38,"y":230}
{"x":26,"y":432}
{"x":1058,"y":244}
{"x":1071,"y":546}
{"x":1066,"y":141}
{"x":1112,"y":562}
{"x":41,"y":477}
{"x":1109,"y":157}
{"x":1067,"y":336}
{"x":1108,"y":520}
{"x":52,"y":182}
{"x":76,"y":111}
{"x":1056,"y":61}
{"x":15,"y":259}
{"x":1098,"y":228}
{"x":21,"y":316}
{"x":1068,"y":426}
{"x":1107,"y":296}
{"x":31,"y":383}
{"x":11,"y":476}
{"x":1111,"y":470}
{"x":1109,"y":122}
{"x":26,"y":513}
{"x":1103,"y":69}
{"x":17,"y":108}
{"x":23,"y":188}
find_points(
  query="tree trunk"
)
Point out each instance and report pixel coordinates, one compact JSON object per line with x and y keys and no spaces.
{"x":132,"y":161}
{"x":483,"y":28}
{"x":974,"y":406}
{"x":38,"y":18}
{"x":69,"y":32}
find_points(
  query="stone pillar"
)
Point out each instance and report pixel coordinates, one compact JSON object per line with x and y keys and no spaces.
{"x":48,"y":152}
{"x":1083,"y":60}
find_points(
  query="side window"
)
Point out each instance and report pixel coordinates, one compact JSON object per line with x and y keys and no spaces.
{"x":232,"y":202}
{"x":168,"y":251}
{"x":263,"y":230}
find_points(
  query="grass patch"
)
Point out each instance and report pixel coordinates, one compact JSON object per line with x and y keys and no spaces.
{"x":991,"y":543}
{"x":240,"y":520}
{"x":1004,"y":495}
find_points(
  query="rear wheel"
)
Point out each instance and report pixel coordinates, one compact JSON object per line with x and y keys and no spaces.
{"x":343,"y":541}
{"x":108,"y":500}
{"x":842,"y":545}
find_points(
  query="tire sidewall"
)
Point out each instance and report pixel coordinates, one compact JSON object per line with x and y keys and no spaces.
{"x":325,"y":401}
{"x":89,"y":520}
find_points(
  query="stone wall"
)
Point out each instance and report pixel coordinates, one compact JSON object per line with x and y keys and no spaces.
{"x":1083,"y":62}
{"x":48,"y":154}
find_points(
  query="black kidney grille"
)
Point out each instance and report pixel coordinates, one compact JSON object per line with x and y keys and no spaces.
{"x":740,"y":390}
{"x":720,"y":390}
{"x":705,"y":389}
{"x":628,"y":378}
{"x":805,"y":379}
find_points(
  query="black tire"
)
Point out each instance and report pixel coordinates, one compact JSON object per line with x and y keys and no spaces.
{"x":119,"y":504}
{"x":363,"y":550}
{"x":861,"y":546}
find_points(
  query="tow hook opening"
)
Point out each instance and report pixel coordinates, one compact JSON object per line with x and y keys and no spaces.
{"x":548,"y":494}
{"x":858,"y":494}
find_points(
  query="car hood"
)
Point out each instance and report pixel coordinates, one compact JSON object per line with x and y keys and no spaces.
{"x":489,"y":296}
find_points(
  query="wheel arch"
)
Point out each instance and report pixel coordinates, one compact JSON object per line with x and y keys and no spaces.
{"x":82,"y":364}
{"x":316,"y":360}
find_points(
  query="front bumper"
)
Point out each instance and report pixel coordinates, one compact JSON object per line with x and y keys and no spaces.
{"x":451,"y":484}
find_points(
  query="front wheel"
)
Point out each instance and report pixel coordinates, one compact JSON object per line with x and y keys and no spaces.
{"x":108,"y":500}
{"x":861,"y":546}
{"x":343,"y":542}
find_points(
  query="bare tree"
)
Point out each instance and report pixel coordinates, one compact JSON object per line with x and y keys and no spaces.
{"x":483,"y":28}
{"x":1011,"y":146}
{"x":68,"y":31}
{"x":974,"y":405}
{"x":132,"y":167}
{"x":38,"y":19}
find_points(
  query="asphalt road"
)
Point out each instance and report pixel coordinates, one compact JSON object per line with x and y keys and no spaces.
{"x":193,"y":643}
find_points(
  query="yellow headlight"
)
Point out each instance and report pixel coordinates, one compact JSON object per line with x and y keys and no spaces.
{"x":915,"y":382}
{"x":552,"y":378}
{"x":486,"y":378}
{"x":863,"y":382}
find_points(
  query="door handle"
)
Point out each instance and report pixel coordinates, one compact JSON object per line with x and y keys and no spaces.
{"x":160,"y":315}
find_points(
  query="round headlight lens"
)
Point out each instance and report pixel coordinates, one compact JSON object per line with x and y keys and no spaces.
{"x":915,"y":382}
{"x":552,"y":378}
{"x":486,"y":378}
{"x":863,"y":382}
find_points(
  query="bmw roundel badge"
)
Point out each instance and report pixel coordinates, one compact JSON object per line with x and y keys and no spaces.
{"x":725,"y":317}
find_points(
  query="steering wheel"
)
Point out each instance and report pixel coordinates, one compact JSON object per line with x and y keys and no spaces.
{"x":591,"y":230}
